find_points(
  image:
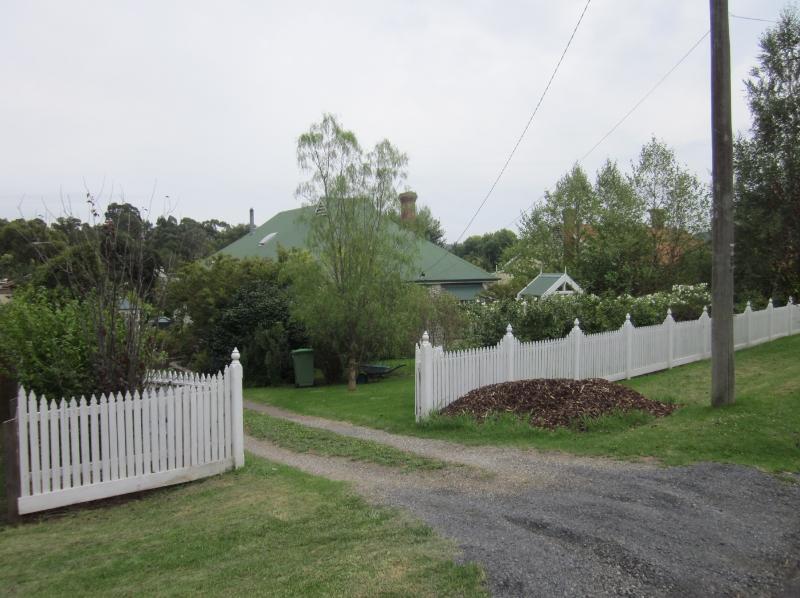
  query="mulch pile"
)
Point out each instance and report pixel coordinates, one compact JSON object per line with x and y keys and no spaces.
{"x":555,"y":403}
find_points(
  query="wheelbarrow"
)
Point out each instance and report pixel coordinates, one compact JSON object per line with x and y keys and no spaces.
{"x":372,"y":371}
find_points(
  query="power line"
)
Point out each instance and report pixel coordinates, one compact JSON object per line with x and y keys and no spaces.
{"x":522,"y":135}
{"x":645,"y":96}
{"x":753,"y":19}
{"x":642,"y":100}
{"x":633,"y":109}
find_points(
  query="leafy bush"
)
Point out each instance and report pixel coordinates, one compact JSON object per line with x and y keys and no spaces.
{"x":257,"y":321}
{"x":553,"y":317}
{"x":225,"y":303}
{"x":57,"y":346}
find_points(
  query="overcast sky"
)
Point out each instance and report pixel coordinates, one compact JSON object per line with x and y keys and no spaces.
{"x":202,"y":102}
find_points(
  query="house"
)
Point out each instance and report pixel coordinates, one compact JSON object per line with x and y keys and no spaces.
{"x":435,"y":267}
{"x":550,"y":284}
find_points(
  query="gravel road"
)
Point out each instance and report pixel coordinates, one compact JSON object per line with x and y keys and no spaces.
{"x":549,"y":524}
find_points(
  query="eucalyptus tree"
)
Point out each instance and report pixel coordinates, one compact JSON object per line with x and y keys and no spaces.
{"x":348,"y":295}
{"x":677,"y":210}
{"x":554,"y":233}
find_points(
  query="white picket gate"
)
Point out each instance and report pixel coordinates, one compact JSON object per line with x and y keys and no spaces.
{"x":180,"y":428}
{"x":441,"y":376}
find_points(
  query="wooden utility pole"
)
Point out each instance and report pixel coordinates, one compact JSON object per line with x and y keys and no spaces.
{"x":722,"y":373}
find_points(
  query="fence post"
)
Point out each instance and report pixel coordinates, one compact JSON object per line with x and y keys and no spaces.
{"x":509,"y":343}
{"x":669,"y":322}
{"x":770,"y":316}
{"x":8,"y":394}
{"x":627,"y":332}
{"x":577,"y":341}
{"x":427,"y":375}
{"x":705,"y":319}
{"x":748,"y":310}
{"x":237,"y":419}
{"x":790,"y":305}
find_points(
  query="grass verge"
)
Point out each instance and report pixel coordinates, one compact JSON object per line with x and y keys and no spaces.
{"x":304,"y":439}
{"x":263,"y":530}
{"x":761,"y":429}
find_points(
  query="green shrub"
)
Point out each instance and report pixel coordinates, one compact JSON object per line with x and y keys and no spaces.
{"x":553,"y":317}
{"x":257,"y":321}
{"x":59,"y":347}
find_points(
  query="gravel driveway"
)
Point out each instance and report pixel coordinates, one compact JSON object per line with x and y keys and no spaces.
{"x":549,"y":524}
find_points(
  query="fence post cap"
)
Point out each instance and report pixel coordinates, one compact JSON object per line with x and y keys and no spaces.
{"x":705,"y":309}
{"x":235,"y":354}
{"x":627,"y":317}
{"x":748,"y":305}
{"x":669,"y":311}
{"x":769,"y":303}
{"x":509,"y":329}
{"x":425,"y":337}
{"x":577,"y":323}
{"x":790,"y":301}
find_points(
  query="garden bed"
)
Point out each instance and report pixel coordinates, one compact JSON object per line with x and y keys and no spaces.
{"x":555,"y":403}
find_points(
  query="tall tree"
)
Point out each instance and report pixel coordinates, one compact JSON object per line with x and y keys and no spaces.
{"x":485,"y":251}
{"x":616,"y":255}
{"x":348,"y":295}
{"x":767,"y":166}
{"x":677,"y":208}
{"x":553,"y":234}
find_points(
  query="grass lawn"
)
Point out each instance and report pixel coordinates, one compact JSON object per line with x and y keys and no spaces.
{"x":761,"y":429}
{"x":302,"y":439}
{"x":263,"y":530}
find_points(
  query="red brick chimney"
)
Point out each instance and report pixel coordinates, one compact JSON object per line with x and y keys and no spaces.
{"x":408,"y":206}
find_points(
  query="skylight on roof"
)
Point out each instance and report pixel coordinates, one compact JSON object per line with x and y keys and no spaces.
{"x":266,"y":239}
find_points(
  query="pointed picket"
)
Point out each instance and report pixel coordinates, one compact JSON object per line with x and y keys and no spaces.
{"x":220,"y":399}
{"x":113,"y":445}
{"x":226,"y":407}
{"x":186,"y":408}
{"x":213,"y":403}
{"x":122,"y":457}
{"x":75,"y":442}
{"x":154,"y":426}
{"x":147,"y":428}
{"x":94,"y":428}
{"x":177,"y":398}
{"x":136,"y":407}
{"x":162,"y":430}
{"x":23,"y":421}
{"x":130,"y":450}
{"x":66,"y":450}
{"x":105,"y":444}
{"x":55,"y":449}
{"x":35,"y":444}
{"x":85,"y":445}
{"x":170,"y":397}
{"x":194,"y":422}
{"x":44,"y":435}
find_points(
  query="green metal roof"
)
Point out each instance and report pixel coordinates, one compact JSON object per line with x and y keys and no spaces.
{"x":539,"y":285}
{"x":289,"y":229}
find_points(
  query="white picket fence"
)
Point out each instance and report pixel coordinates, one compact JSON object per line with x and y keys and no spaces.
{"x":441,"y":376}
{"x":180,"y":428}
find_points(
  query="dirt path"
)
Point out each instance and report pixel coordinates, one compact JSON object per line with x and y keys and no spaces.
{"x":548,"y":524}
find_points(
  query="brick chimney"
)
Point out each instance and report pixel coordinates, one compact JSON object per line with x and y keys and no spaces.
{"x":408,"y":206}
{"x":252,"y":220}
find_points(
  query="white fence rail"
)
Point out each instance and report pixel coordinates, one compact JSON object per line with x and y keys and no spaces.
{"x":441,"y":376}
{"x":180,"y":428}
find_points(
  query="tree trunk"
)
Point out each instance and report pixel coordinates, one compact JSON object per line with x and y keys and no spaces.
{"x":352,"y":373}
